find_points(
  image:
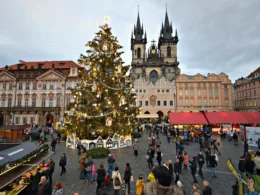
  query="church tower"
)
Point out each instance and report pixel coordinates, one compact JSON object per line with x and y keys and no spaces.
{"x":138,"y":42}
{"x":167,"y":43}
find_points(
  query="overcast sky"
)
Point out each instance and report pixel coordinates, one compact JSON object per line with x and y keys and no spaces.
{"x":215,"y":36}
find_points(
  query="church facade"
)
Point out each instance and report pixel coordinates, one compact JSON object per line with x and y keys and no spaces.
{"x":155,"y":69}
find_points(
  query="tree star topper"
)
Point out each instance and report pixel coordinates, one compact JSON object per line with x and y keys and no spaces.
{"x":105,"y":20}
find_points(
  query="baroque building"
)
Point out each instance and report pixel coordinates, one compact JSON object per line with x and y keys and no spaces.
{"x":197,"y":92}
{"x":247,"y":92}
{"x":154,"y":70}
{"x":36,"y":92}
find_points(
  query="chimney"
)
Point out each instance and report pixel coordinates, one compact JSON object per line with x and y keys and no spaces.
{"x":39,"y":66}
{"x":18,"y":66}
{"x":6,"y":67}
{"x":21,"y":61}
{"x":53,"y":66}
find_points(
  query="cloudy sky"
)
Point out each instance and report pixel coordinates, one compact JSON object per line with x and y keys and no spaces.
{"x":215,"y":36}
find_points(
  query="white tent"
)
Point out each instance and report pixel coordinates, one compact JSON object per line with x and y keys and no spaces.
{"x":147,"y":116}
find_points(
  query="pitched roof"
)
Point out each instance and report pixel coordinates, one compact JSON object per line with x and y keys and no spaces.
{"x":45,"y":65}
{"x":253,"y":73}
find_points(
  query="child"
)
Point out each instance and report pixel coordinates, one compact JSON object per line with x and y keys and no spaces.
{"x":107,"y":181}
{"x":185,"y":160}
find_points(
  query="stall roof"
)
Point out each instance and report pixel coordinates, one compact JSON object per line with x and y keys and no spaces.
{"x":147,"y":116}
{"x":187,"y":118}
{"x":252,"y":117}
{"x":17,"y":152}
{"x":225,"y":117}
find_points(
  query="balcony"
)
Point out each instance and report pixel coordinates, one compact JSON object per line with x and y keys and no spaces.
{"x":30,"y":109}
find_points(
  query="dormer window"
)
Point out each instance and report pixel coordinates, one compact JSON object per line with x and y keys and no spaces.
{"x":73,"y":71}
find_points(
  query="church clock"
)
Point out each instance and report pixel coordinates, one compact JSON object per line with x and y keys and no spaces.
{"x":153,"y":51}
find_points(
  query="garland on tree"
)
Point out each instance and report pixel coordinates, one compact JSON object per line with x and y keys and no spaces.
{"x":105,"y":91}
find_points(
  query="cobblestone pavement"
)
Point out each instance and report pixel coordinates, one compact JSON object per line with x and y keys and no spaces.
{"x":221,"y":184}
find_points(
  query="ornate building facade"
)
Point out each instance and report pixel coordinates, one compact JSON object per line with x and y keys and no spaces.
{"x":36,"y":92}
{"x":247,"y":92}
{"x":155,"y":70}
{"x":197,"y":92}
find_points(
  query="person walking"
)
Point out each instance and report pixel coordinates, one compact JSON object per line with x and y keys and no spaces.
{"x":180,"y":157}
{"x":101,"y":173}
{"x":117,"y":180}
{"x":151,"y":177}
{"x":111,"y":163}
{"x":201,"y":160}
{"x":50,"y":170}
{"x":207,"y":189}
{"x":177,"y":171}
{"x":136,"y":148}
{"x":201,"y":143}
{"x":159,"y":156}
{"x":57,"y":189}
{"x":89,"y":169}
{"x":185,"y":160}
{"x":195,"y":189}
{"x":78,"y":145}
{"x":213,"y":164}
{"x":150,"y":159}
{"x":82,"y":166}
{"x":139,"y":185}
{"x":193,"y":169}
{"x":127,"y":176}
{"x":62,"y":163}
{"x":53,"y":144}
{"x":170,"y":167}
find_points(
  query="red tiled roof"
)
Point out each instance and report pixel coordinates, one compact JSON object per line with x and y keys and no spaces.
{"x":45,"y":65}
{"x":253,"y":73}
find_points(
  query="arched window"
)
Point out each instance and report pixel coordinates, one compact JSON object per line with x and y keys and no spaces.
{"x":138,"y":53}
{"x":169,"y":51}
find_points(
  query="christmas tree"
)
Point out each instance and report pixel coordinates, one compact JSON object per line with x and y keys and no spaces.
{"x":104,"y":98}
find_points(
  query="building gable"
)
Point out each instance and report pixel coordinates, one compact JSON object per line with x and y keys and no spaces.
{"x":6,"y":76}
{"x":51,"y":75}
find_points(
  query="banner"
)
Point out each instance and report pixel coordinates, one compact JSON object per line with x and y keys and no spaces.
{"x":252,"y":135}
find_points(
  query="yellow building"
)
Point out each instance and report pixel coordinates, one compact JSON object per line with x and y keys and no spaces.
{"x":197,"y":92}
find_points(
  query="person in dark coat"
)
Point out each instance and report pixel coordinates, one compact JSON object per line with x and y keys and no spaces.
{"x":177,"y":170}
{"x":50,"y":170}
{"x":171,"y":170}
{"x":127,"y":176}
{"x":44,"y":187}
{"x":242,"y":166}
{"x":62,"y":163}
{"x":53,"y":144}
{"x":101,"y":173}
{"x":193,"y":169}
{"x":213,"y":164}
{"x":207,"y":190}
{"x":150,"y":159}
{"x":201,"y":160}
{"x":35,"y":180}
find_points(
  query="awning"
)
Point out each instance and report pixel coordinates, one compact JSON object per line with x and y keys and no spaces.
{"x":225,"y":117}
{"x":187,"y":118}
{"x":252,"y":117}
{"x":147,"y":116}
{"x":17,"y":152}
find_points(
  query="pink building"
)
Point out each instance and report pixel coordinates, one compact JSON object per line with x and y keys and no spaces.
{"x":247,"y":92}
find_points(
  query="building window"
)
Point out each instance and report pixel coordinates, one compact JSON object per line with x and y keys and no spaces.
{"x":26,"y":102}
{"x":225,"y":86}
{"x":187,"y":102}
{"x":34,"y":86}
{"x":216,"y":103}
{"x":171,"y":103}
{"x":58,"y":102}
{"x":226,"y":103}
{"x":199,"y":93}
{"x":34,"y":102}
{"x":140,"y":90}
{"x":180,"y":102}
{"x":17,"y":120}
{"x":205,"y":102}
{"x":3,"y":102}
{"x":51,"y":102}
{"x":191,"y":93}
{"x":210,"y":93}
{"x":204,"y":85}
{"x":51,"y":85}
{"x":167,"y":90}
{"x":27,"y":86}
{"x":181,"y":93}
{"x":146,"y":103}
{"x":24,"y":120}
{"x":226,"y":93}
{"x":199,"y":103}
{"x":216,"y":92}
{"x":198,"y":84}
{"x":43,"y":102}
{"x":4,"y":86}
{"x":67,"y":101}
{"x":165,"y":103}
{"x":134,"y":103}
{"x":20,"y":86}
{"x":169,"y":52}
{"x":68,"y":85}
{"x":58,"y":84}
{"x":186,"y":85}
{"x":158,"y":103}
{"x":254,"y":92}
{"x":204,"y":93}
{"x":186,"y":93}
{"x":138,"y":52}
{"x":211,"y":102}
{"x":19,"y":102}
{"x":44,"y":86}
{"x":32,"y":120}
{"x":10,"y":86}
{"x":9,"y":102}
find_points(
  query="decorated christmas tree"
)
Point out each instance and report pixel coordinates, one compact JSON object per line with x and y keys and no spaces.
{"x":104,"y":98}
